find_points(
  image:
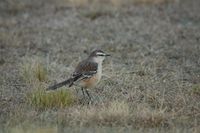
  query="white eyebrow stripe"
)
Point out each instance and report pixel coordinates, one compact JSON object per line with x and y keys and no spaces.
{"x":101,"y":54}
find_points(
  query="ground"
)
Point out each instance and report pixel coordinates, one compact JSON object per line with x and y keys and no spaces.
{"x":152,"y":79}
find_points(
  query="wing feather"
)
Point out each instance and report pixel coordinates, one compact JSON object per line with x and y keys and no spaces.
{"x":84,"y":70}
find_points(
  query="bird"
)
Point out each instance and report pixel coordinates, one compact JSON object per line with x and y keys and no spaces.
{"x":87,"y":73}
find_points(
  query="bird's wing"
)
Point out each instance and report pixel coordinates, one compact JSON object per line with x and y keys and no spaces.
{"x":85,"y":69}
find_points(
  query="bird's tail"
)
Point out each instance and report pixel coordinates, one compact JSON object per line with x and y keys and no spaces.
{"x":56,"y":86}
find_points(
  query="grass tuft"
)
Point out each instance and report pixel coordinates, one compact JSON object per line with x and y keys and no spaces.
{"x":196,"y":89}
{"x":113,"y":113}
{"x":147,"y":117}
{"x":40,"y":72}
{"x":33,"y":71}
{"x":115,"y":110}
{"x":41,"y":99}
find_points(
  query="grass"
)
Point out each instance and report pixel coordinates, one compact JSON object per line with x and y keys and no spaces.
{"x":196,"y":89}
{"x":148,"y":83}
{"x":152,"y":117}
{"x":41,"y":99}
{"x":141,"y":108}
{"x":111,"y":113}
{"x":115,"y":3}
{"x":37,"y":130}
{"x":33,"y":71}
{"x":115,"y":113}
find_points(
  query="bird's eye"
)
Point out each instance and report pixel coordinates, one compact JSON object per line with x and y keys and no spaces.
{"x":100,"y":55}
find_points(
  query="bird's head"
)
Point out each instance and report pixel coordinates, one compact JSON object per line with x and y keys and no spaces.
{"x":98,"y":56}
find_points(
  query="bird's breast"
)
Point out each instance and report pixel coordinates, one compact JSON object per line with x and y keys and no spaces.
{"x":93,"y":81}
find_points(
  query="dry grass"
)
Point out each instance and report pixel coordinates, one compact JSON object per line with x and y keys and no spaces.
{"x":151,"y":80}
{"x":115,"y":113}
{"x":33,"y":71}
{"x":115,"y":3}
{"x":148,"y":117}
{"x":143,"y":106}
{"x":37,"y":130}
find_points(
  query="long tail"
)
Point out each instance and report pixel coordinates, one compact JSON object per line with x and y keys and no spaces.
{"x":56,"y":86}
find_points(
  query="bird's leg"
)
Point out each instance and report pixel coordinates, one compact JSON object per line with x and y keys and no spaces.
{"x":88,"y":94}
{"x":83,"y":92}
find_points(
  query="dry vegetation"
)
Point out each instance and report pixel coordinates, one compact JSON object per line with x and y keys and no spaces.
{"x":152,"y":80}
{"x":116,"y":3}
